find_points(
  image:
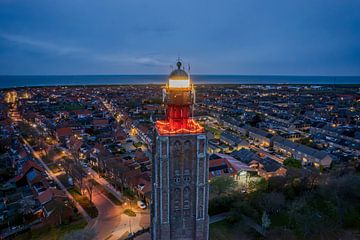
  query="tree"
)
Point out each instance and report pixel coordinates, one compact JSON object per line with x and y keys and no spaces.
{"x":78,"y":174}
{"x":272,"y":202}
{"x":260,"y":185}
{"x":292,"y":162}
{"x":222,"y":185}
{"x":60,"y":207}
{"x":255,"y":120}
{"x":89,"y":186}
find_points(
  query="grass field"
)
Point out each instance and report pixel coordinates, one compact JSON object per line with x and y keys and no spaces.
{"x":85,"y":203}
{"x":53,"y":233}
{"x":224,"y":231}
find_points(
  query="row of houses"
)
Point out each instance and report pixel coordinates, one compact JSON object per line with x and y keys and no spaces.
{"x":305,"y":154}
{"x":286,"y":147}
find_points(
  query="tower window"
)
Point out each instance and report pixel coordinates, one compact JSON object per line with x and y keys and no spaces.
{"x":186,"y":204}
{"x":187,"y":179}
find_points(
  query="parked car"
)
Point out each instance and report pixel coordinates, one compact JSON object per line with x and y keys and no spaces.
{"x":141,"y":204}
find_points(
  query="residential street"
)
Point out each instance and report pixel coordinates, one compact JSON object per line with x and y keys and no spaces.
{"x":111,"y":223}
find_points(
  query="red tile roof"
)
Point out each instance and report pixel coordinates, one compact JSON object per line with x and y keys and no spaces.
{"x":64,"y":132}
{"x":49,"y":194}
{"x":100,"y":122}
{"x":27,"y":167}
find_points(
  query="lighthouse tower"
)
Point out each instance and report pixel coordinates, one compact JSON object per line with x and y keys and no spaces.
{"x":179,"y":204}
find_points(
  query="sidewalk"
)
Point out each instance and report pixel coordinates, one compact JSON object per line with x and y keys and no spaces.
{"x":105,"y":183}
{"x":53,"y":176}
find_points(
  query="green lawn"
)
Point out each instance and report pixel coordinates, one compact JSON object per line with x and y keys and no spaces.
{"x":224,"y":230}
{"x":53,"y":233}
{"x":54,"y":168}
{"x":85,"y":203}
{"x":129,"y":212}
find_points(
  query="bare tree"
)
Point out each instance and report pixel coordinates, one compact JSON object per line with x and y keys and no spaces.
{"x":79,"y":175}
{"x":89,"y":186}
{"x":60,"y":207}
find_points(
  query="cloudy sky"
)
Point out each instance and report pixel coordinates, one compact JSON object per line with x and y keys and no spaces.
{"x":247,"y":37}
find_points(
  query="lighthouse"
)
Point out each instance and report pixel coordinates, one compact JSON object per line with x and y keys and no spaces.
{"x":179,"y":201}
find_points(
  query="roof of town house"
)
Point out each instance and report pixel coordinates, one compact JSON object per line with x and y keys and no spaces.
{"x":225,"y":165}
{"x":269,"y":164}
{"x":49,"y":194}
{"x":142,"y":159}
{"x":144,"y":182}
{"x":259,"y":132}
{"x":152,"y":107}
{"x":102,"y":150}
{"x":143,"y":127}
{"x":75,"y":143}
{"x":64,"y":132}
{"x":22,"y":153}
{"x":82,"y":112}
{"x":236,"y":164}
{"x":131,"y":176}
{"x":100,"y":122}
{"x":285,"y":142}
{"x":245,"y":155}
{"x":27,"y":167}
{"x":220,"y":167}
{"x":301,"y":148}
{"x":233,"y":137}
{"x":120,"y":134}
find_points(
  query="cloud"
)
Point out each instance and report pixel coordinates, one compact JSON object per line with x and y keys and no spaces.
{"x":122,"y":59}
{"x":58,"y":49}
{"x":61,"y":49}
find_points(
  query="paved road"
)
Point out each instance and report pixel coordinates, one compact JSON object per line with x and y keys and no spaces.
{"x":104,"y":183}
{"x":111,"y":223}
{"x":53,"y":176}
{"x":218,"y":217}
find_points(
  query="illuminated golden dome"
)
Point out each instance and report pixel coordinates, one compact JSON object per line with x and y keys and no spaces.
{"x":179,"y":78}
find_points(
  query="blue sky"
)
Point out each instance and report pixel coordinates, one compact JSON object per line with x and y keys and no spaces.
{"x":247,"y":37}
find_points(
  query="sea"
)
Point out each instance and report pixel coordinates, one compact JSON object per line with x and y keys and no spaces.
{"x":11,"y":81}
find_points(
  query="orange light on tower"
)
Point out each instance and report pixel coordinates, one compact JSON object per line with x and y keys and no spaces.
{"x":179,"y":96}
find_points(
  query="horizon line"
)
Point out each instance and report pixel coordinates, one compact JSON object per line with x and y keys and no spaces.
{"x":194,"y":74}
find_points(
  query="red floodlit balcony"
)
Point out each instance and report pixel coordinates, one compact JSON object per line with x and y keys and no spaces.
{"x":185,"y":126}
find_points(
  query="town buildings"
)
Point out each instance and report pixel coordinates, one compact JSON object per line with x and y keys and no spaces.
{"x":251,"y":130}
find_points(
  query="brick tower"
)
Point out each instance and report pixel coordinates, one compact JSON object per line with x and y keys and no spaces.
{"x":179,"y":204}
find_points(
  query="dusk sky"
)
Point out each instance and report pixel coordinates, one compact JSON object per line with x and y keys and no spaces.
{"x":247,"y":37}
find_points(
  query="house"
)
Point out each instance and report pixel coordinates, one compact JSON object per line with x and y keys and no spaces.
{"x":245,"y":155}
{"x":305,"y":154}
{"x":29,"y":172}
{"x":100,"y":123}
{"x":63,"y":134}
{"x":226,"y":165}
{"x":268,"y":167}
{"x":233,"y":140}
{"x":260,"y":137}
